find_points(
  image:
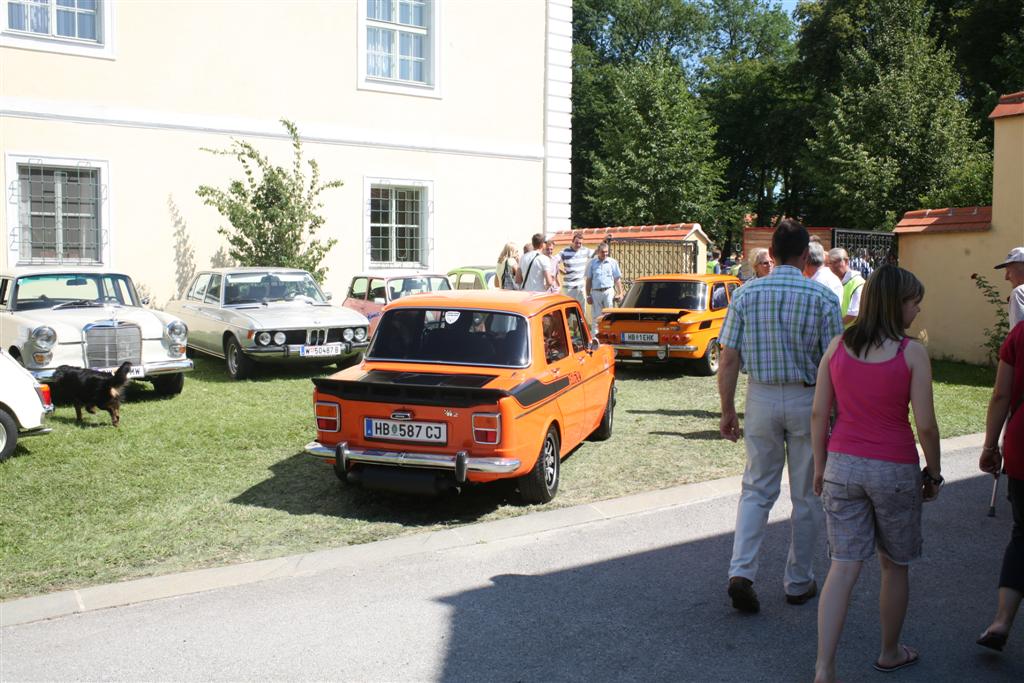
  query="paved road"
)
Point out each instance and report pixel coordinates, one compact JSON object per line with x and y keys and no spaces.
{"x":635,"y":597}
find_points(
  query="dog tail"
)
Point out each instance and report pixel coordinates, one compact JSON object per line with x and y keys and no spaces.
{"x":121,"y":376}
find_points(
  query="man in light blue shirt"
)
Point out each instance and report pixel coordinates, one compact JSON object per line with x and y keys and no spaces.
{"x":603,"y":274}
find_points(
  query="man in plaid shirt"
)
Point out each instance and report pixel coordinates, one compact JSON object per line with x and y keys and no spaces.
{"x":778,"y":327}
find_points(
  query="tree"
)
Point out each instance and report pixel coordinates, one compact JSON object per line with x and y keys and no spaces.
{"x":896,"y":134}
{"x":746,"y":87}
{"x":656,"y":161}
{"x":273,"y":213}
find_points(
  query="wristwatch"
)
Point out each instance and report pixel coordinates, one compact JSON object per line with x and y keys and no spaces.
{"x":929,"y":479}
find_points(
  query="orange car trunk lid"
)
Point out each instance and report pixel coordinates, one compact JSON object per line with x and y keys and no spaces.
{"x":457,"y":390}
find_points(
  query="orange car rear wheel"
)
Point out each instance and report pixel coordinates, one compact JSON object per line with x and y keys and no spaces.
{"x":541,"y":483}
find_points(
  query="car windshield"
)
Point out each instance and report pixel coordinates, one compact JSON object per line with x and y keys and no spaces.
{"x":253,"y":288}
{"x":73,"y":290}
{"x":692,"y":296}
{"x":404,"y":286}
{"x":457,"y":336}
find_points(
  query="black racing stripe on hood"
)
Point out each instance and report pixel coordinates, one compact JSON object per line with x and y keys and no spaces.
{"x":413,"y":389}
{"x":532,"y":391}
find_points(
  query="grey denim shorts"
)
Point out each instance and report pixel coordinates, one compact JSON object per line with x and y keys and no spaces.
{"x":872,"y":504}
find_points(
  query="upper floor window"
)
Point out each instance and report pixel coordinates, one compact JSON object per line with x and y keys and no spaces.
{"x":400,"y":48}
{"x":76,"y":19}
{"x":77,"y":27}
{"x":59,"y":217}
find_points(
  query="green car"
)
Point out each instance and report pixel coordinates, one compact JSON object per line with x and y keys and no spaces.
{"x":473,"y":277}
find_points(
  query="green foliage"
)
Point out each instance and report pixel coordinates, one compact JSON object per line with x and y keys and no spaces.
{"x":896,"y":132}
{"x":994,"y":335}
{"x":657,"y":162}
{"x":273,"y":213}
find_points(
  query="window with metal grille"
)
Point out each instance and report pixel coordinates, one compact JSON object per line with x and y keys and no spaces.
{"x":398,"y":40}
{"x":59,"y":214}
{"x":396,"y":226}
{"x":74,"y":19}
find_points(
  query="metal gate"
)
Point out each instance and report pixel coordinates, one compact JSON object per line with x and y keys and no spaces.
{"x":867,"y":249}
{"x":638,"y":257}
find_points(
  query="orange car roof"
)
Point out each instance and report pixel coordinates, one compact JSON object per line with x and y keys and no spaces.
{"x":691,"y":277}
{"x":524,"y":303}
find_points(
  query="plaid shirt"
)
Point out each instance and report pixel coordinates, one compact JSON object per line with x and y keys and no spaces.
{"x":781,"y":325}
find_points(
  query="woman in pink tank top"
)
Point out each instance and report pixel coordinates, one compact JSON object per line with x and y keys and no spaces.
{"x":866,"y":469}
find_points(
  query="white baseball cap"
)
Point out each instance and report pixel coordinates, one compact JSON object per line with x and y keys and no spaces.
{"x":1016,"y":255}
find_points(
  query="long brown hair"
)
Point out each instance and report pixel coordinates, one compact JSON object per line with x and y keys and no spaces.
{"x":881,"y":308}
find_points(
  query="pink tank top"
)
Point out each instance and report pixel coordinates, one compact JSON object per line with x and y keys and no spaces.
{"x":872,"y":406}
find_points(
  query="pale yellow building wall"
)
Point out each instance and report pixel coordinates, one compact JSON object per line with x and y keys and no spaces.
{"x":153,"y":176}
{"x":189,"y":78}
{"x":298,"y":59}
{"x":954,"y":314}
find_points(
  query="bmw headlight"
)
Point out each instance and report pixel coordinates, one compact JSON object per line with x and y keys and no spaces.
{"x":360,"y":334}
{"x":263,"y":338}
{"x":44,"y":338}
{"x":279,"y":338}
{"x":177,"y":331}
{"x":347,"y":334}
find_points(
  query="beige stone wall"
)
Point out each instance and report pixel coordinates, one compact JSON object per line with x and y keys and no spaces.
{"x":954,"y":314}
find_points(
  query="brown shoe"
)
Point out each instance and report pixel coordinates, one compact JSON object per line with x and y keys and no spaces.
{"x":803,"y":597}
{"x":741,"y":590}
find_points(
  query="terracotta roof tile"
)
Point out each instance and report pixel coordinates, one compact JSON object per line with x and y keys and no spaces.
{"x":1009,"y":105}
{"x":963,"y":219}
{"x":665,"y":231}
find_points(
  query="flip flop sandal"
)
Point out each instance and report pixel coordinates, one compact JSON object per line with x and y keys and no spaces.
{"x":912,"y":658}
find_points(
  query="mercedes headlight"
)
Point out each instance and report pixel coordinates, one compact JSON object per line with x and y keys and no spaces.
{"x":263,"y":338}
{"x":177,"y":331}
{"x":44,"y":338}
{"x":360,"y":334}
{"x":347,"y":334}
{"x":279,"y":338}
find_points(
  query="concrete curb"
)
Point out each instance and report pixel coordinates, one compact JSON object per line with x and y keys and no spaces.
{"x":64,"y":603}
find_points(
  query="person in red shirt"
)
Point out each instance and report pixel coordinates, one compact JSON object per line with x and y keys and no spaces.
{"x":1007,"y":399}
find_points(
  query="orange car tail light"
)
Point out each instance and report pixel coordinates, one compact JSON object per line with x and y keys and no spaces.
{"x":44,"y":395}
{"x":328,"y":416}
{"x":486,"y":428}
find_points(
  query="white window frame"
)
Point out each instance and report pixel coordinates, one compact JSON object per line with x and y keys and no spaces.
{"x":432,"y":87}
{"x":426,"y":188}
{"x":102,"y":48}
{"x":14,"y":255}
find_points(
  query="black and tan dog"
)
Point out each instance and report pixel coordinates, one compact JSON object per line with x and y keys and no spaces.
{"x":91,"y":389}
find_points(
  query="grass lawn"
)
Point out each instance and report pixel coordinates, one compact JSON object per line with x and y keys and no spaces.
{"x":216,"y":475}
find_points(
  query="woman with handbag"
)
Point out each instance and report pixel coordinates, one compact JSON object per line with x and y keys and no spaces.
{"x":1007,"y":399}
{"x":508,"y":267}
{"x":866,"y":470}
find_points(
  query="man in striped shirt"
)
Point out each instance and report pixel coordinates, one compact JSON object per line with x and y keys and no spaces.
{"x":574,"y":261}
{"x":778,"y":328}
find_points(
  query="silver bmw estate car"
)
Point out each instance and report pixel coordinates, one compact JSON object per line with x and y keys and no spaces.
{"x":267,"y":315}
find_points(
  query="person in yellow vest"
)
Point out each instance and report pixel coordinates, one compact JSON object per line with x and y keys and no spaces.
{"x":853,"y":284}
{"x":713,"y":266}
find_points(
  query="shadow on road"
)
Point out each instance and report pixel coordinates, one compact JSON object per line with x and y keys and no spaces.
{"x":663,"y":615}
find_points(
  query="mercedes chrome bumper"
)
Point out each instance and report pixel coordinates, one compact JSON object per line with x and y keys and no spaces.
{"x":459,"y":463}
{"x":164,"y":367}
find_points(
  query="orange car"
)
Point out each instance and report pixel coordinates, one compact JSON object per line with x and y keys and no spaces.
{"x":666,"y":317}
{"x":467,"y":387}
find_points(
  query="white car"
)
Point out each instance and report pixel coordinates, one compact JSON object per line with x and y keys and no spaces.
{"x":93,"y":319}
{"x":268,"y":315}
{"x":23,"y":404}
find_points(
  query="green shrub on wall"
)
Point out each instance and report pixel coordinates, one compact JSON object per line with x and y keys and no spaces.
{"x":273,"y":214}
{"x":994,"y":335}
